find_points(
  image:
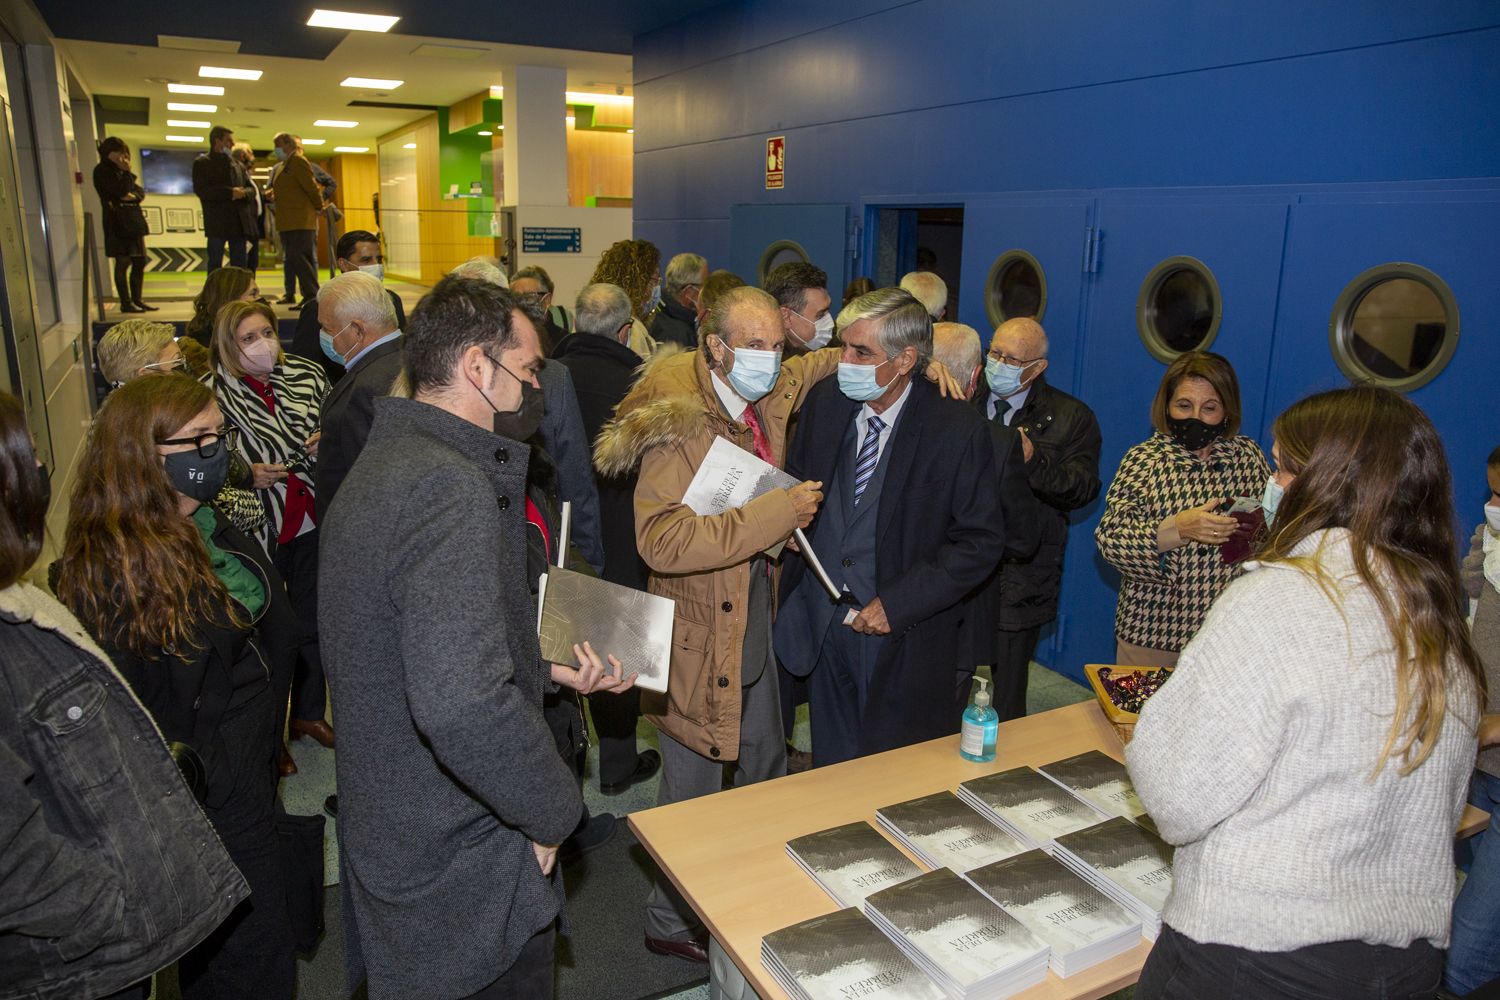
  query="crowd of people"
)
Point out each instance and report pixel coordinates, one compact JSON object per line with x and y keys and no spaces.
{"x":368,"y":512}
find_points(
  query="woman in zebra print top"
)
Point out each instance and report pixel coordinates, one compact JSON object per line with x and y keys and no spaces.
{"x":276,"y":401}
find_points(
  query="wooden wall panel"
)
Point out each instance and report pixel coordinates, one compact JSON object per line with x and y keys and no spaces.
{"x":600,"y":164}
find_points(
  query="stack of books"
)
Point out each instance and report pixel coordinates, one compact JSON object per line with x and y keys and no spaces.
{"x":944,"y":832}
{"x":1028,"y":806}
{"x":1127,"y":863}
{"x":851,"y":861}
{"x":1103,"y":783}
{"x":1081,"y":925}
{"x":842,"y":955}
{"x":966,"y":944}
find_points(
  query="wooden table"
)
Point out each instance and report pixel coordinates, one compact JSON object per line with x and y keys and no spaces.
{"x":726,"y":853}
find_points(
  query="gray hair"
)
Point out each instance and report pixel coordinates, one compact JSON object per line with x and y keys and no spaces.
{"x":355,"y":295}
{"x":683,"y":270}
{"x":957,"y":346}
{"x":483,"y":268}
{"x":537,"y":274}
{"x":129,"y":346}
{"x":602,"y":309}
{"x":928,"y":289}
{"x":902,"y":322}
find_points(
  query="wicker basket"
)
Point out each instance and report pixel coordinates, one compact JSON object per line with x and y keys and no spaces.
{"x":1124,"y":722}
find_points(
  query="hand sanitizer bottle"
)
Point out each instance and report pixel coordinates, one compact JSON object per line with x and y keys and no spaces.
{"x":977,"y":737}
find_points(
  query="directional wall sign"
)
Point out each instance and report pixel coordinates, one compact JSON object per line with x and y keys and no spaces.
{"x":551,"y":239}
{"x":175,"y":259}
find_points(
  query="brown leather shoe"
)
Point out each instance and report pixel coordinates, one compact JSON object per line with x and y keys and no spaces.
{"x":285,"y":764}
{"x":318,"y":730}
{"x":692,"y":950}
{"x":797,"y":761}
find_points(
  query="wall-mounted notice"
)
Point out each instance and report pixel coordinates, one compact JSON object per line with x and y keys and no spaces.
{"x":551,"y":239}
{"x":776,"y":162}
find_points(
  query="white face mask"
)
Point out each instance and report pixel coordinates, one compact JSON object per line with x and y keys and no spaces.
{"x":377,"y":271}
{"x":1492,"y":516}
{"x":822,"y":331}
{"x":259,"y":358}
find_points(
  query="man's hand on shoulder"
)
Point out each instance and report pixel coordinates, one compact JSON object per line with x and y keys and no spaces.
{"x":938,"y":374}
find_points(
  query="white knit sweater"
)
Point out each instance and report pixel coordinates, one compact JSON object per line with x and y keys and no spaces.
{"x":1255,"y":759}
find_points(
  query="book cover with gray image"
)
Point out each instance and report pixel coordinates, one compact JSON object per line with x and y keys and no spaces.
{"x":963,"y":938}
{"x":1101,"y":781}
{"x":851,"y":861}
{"x":842,"y":955}
{"x":1037,"y":808}
{"x":1054,"y":903}
{"x":943,"y":831}
{"x":1132,"y":859}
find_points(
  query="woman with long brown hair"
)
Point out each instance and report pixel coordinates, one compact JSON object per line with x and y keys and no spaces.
{"x":635,"y":266}
{"x":1310,"y":755}
{"x":196,"y":619}
{"x":222,"y":286}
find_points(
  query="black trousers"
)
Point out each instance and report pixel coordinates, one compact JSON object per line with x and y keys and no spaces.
{"x":615,"y":717}
{"x":297,"y":562}
{"x":531,"y":975}
{"x":299,"y":248}
{"x":249,"y":956}
{"x":1180,"y":968}
{"x":130,"y":278}
{"x":1010,"y":664}
{"x":216,"y":246}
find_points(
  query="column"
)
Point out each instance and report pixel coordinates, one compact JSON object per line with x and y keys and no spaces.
{"x":536,"y":137}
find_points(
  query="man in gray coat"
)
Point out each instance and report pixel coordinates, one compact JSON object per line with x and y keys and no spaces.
{"x":453,"y":795}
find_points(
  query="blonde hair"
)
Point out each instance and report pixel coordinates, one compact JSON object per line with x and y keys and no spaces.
{"x":223,"y":346}
{"x":129,"y":346}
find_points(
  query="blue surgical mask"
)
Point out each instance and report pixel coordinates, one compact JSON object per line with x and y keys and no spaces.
{"x":654,"y":300}
{"x":754,"y":372}
{"x":280,"y":153}
{"x":325,"y":341}
{"x":858,"y":382}
{"x":1004,"y":380}
{"x":1271,"y":499}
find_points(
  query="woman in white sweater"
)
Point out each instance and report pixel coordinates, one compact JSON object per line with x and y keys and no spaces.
{"x":1310,"y":756}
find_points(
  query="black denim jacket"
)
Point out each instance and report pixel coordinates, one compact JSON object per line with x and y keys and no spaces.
{"x":110,"y":870}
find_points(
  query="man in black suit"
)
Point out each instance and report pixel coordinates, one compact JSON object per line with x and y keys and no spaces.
{"x":357,"y":250}
{"x":603,"y":371}
{"x":676,"y":317}
{"x":1060,"y":440}
{"x":227,"y":195}
{"x":359,"y":331}
{"x":910,"y":529}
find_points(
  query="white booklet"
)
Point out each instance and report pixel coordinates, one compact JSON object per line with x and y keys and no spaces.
{"x":731,"y":477}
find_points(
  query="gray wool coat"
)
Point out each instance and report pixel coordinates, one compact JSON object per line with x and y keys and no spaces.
{"x":446,"y":769}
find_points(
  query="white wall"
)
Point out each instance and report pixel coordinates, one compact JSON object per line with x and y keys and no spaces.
{"x":570,"y":272}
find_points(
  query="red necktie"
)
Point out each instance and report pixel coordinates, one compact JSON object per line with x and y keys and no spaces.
{"x":762,"y":443}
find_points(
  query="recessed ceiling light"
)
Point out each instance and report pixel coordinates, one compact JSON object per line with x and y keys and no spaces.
{"x":500,"y":127}
{"x":409,"y":145}
{"x":179,"y":106}
{"x":351,"y":149}
{"x":486,"y":133}
{"x":580,"y":97}
{"x":334,"y":123}
{"x":195,"y":88}
{"x":186,"y":123}
{"x":184,"y":138}
{"x":350,"y":22}
{"x":569,"y":120}
{"x":227,"y":73}
{"x":371,"y":83}
{"x":313,"y":142}
{"x":497,"y":91}
{"x":630,"y":131}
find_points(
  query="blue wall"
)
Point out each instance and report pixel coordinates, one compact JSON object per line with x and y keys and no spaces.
{"x":1289,"y":146}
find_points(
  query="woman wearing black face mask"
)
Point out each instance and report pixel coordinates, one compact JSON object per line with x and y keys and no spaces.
{"x":197,"y":620}
{"x":1163,"y":522}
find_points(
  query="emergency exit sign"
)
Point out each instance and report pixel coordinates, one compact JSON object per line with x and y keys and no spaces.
{"x":776,"y":163}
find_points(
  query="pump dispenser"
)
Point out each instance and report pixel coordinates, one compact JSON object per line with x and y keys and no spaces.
{"x":981,"y":725}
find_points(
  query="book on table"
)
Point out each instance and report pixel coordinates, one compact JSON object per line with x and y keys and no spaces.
{"x":842,"y":955}
{"x":969,"y":946}
{"x":1102,"y":782}
{"x":945,"y":832}
{"x":1128,"y":863}
{"x":851,"y":861}
{"x":1028,"y":805}
{"x":1081,"y":925}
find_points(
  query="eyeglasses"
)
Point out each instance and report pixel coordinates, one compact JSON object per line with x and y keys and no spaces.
{"x":1006,"y":359}
{"x":208,"y":444}
{"x":162,"y":367}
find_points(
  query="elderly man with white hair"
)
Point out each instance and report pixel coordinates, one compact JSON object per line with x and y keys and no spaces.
{"x":928,"y":289}
{"x":357,"y":329}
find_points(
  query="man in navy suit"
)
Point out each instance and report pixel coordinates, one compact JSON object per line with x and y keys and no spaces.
{"x":910,"y":531}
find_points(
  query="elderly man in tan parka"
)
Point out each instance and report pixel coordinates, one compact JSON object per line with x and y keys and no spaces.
{"x":721,"y":705}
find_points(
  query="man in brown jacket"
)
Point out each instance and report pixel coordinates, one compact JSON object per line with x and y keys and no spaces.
{"x":298,"y":201}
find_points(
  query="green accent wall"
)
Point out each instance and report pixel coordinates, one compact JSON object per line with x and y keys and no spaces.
{"x":463,"y":158}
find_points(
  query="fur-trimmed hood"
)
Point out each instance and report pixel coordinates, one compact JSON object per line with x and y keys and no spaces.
{"x":666,"y":407}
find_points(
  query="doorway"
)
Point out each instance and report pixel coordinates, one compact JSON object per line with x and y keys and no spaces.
{"x":919,"y":238}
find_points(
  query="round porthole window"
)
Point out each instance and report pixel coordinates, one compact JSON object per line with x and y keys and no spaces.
{"x":1017,"y":286}
{"x":778,"y":253}
{"x":1179,"y":308}
{"x":1395,"y":325}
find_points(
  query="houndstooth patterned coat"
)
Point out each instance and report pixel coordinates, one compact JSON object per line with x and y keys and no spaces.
{"x":1164,"y":595}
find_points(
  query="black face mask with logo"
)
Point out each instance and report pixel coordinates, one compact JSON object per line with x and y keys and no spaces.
{"x":197,"y":477}
{"x":1192,"y":433}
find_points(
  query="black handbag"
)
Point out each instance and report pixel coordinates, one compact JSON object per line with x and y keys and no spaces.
{"x":300,"y":841}
{"x":130,"y":221}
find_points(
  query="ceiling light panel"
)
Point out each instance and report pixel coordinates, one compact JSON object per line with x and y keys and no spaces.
{"x":229,"y":73}
{"x":580,"y":97}
{"x":370,"y":83}
{"x":313,"y":142}
{"x":409,"y":145}
{"x":334,"y":123}
{"x":207,"y":109}
{"x":195,"y":88}
{"x":186,"y":123}
{"x":351,"y":149}
{"x":184,"y":138}
{"x":349,"y":21}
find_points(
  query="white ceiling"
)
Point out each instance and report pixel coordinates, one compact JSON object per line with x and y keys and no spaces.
{"x":293,"y":93}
